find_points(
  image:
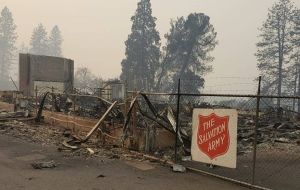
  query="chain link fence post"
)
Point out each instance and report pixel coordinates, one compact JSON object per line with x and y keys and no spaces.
{"x":36,"y":100}
{"x":177,"y":121}
{"x":255,"y":130}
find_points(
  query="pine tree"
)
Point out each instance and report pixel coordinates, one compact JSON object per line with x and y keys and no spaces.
{"x":39,"y":41}
{"x":187,"y":53}
{"x":55,"y":42}
{"x":275,"y":46}
{"x":295,"y":68}
{"x":8,"y":37}
{"x":142,"y":50}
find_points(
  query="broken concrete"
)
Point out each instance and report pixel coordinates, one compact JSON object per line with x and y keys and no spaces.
{"x":41,"y":165}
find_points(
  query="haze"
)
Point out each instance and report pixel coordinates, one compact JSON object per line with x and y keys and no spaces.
{"x":94,"y":32}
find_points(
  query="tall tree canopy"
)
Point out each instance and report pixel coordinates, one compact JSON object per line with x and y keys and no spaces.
{"x":142,"y":50}
{"x":275,"y":46}
{"x":39,"y":41}
{"x":55,"y":42}
{"x":8,"y":37}
{"x":187,"y":53}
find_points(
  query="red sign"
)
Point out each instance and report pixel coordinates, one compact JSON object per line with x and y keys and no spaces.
{"x":213,"y":135}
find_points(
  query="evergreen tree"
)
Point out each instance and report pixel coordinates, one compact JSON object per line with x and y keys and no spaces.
{"x":275,"y":46}
{"x":142,"y":50}
{"x":8,"y":37}
{"x":187,"y":53}
{"x":55,"y":42}
{"x":295,"y":68}
{"x":39,"y":41}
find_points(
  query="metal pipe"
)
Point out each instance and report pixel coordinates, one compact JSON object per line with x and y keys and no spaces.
{"x":222,"y":95}
{"x":244,"y":184}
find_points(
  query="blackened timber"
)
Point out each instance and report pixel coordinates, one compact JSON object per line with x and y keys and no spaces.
{"x":39,"y":114}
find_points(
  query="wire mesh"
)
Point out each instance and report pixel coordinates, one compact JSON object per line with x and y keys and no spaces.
{"x":277,"y":153}
{"x":278,"y":158}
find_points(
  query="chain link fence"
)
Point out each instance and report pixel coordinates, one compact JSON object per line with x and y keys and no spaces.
{"x":268,"y":146}
{"x":246,"y":128}
{"x":268,"y":136}
{"x":278,"y":158}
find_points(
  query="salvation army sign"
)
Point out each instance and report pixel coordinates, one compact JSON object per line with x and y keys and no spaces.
{"x":214,"y":139}
{"x":213,"y":135}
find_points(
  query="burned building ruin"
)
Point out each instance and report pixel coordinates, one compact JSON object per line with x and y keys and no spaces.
{"x":44,"y":72}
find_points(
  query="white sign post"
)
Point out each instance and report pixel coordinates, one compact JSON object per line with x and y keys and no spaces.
{"x":214,"y":139}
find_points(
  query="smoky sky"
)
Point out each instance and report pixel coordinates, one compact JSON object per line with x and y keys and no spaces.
{"x":94,"y":32}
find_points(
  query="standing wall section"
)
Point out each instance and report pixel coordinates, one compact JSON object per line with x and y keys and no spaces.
{"x":44,"y":69}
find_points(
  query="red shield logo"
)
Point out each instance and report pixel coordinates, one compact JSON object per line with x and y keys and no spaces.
{"x":213,"y":135}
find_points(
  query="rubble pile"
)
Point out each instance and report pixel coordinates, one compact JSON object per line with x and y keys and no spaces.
{"x":18,"y":114}
{"x":48,"y":135}
{"x":84,"y":106}
{"x":144,"y":114}
{"x":40,"y":133}
{"x":270,"y":130}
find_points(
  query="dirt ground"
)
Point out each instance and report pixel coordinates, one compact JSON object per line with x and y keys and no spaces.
{"x":89,"y":173}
